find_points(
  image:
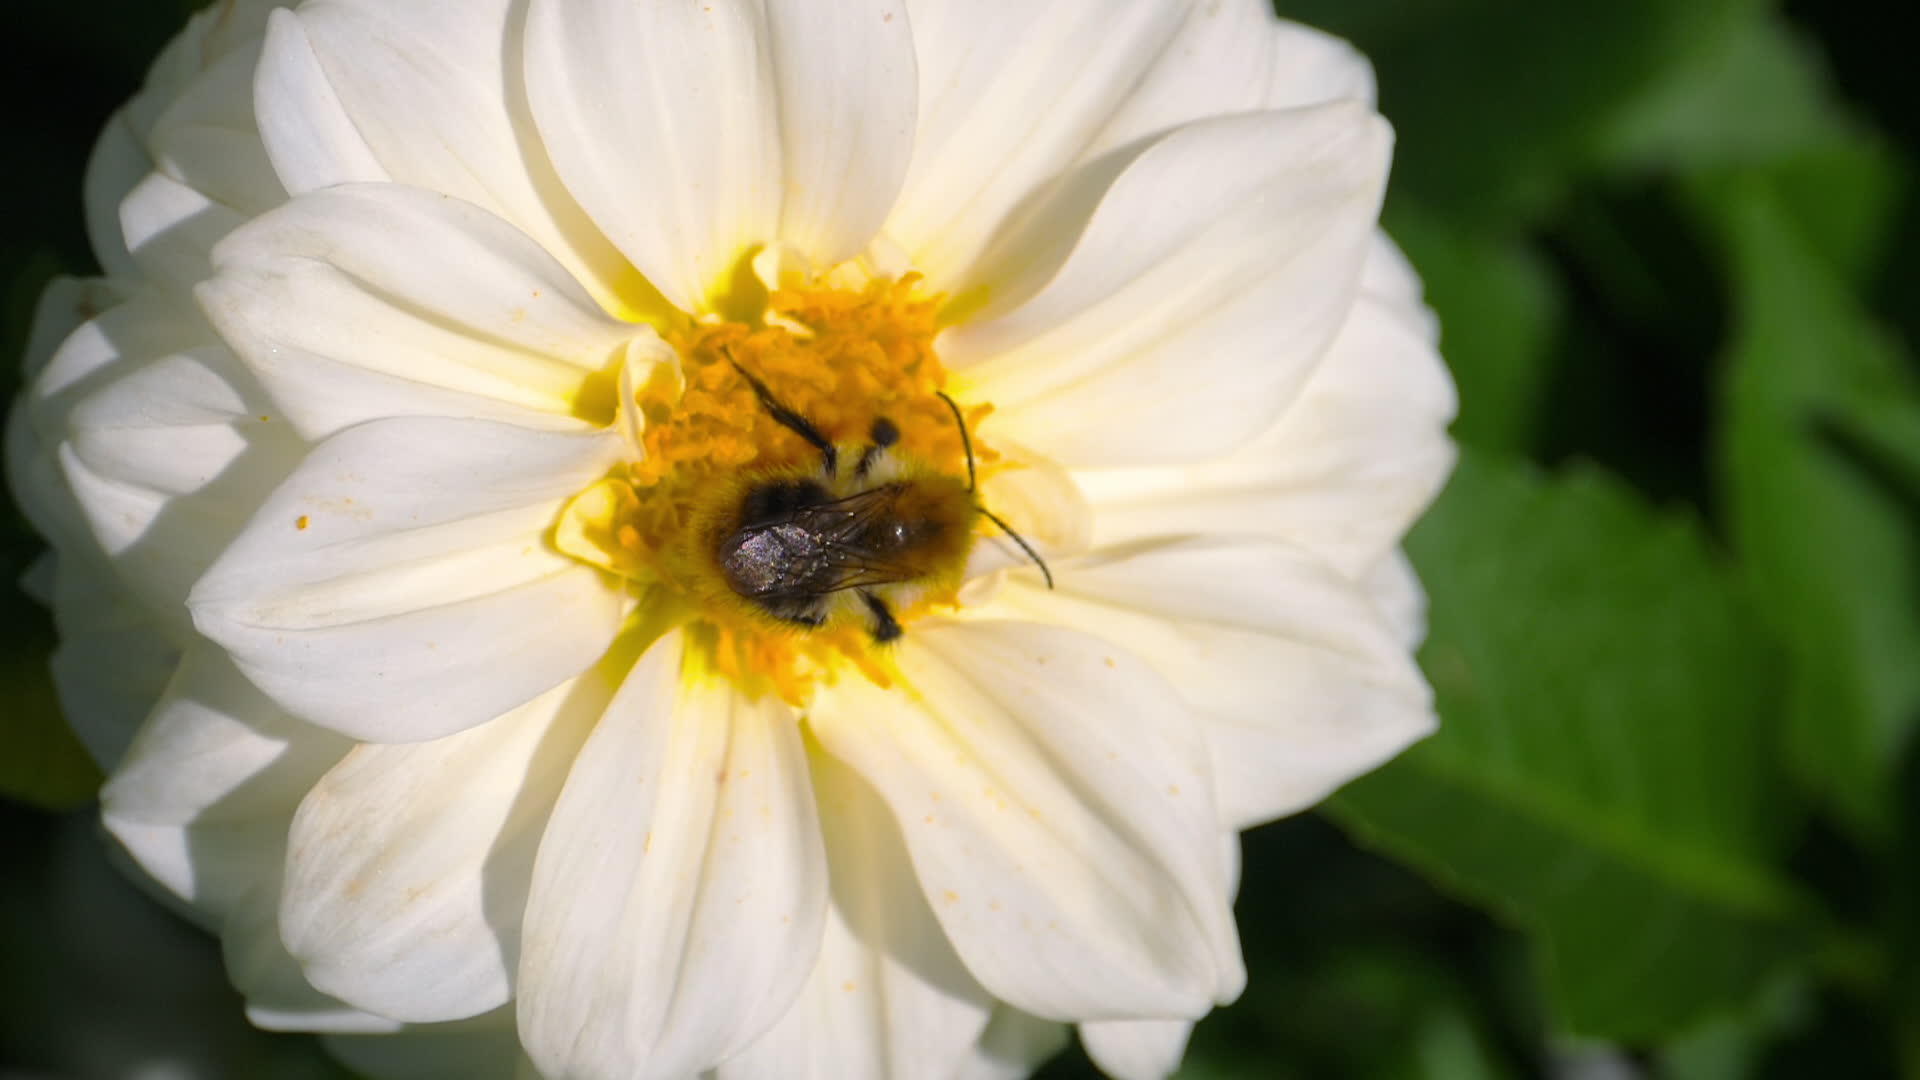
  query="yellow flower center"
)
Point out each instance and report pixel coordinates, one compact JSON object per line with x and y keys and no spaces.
{"x":850,"y":364}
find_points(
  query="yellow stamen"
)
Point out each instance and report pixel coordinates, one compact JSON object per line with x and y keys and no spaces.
{"x":841,"y":358}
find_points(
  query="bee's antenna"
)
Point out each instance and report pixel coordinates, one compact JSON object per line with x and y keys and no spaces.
{"x":786,"y":417}
{"x":966,"y":443}
{"x":1016,"y":538}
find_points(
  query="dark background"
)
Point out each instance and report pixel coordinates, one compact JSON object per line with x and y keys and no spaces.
{"x":1671,"y":827}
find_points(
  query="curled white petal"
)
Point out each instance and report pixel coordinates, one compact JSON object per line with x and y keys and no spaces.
{"x":203,"y":797}
{"x":207,"y":139}
{"x":369,"y":301}
{"x":325,"y":92}
{"x":399,"y":587}
{"x":279,"y":997}
{"x":408,"y":864}
{"x":1199,"y":297}
{"x":1010,"y":93}
{"x":1136,"y":1049}
{"x":167,"y":460}
{"x":191,"y":122}
{"x":1300,"y":681}
{"x":1234,"y":56}
{"x":1343,"y":472}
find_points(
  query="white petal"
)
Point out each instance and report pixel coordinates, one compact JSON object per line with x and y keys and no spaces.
{"x":310,"y":138}
{"x":375,"y":300}
{"x":1013,"y":1046}
{"x":408,"y":864}
{"x":1300,"y":681}
{"x":887,"y":997}
{"x":33,"y":475}
{"x":1053,"y":792}
{"x":1234,"y":56}
{"x":846,"y":93}
{"x":206,"y":137}
{"x":399,"y":587}
{"x":1311,"y":66}
{"x":1010,"y":93}
{"x":1392,"y":278}
{"x":326,"y":93}
{"x":34,"y":480}
{"x":210,"y":783}
{"x":659,"y":118}
{"x":117,"y":163}
{"x":142,"y":326}
{"x":279,"y":998}
{"x":1136,"y":1049}
{"x":175,"y":424}
{"x":210,"y":36}
{"x":36,"y":422}
{"x":113,"y":661}
{"x":203,"y":802}
{"x":693,"y":132}
{"x":65,"y":304}
{"x":483,"y":1048}
{"x":1395,"y":588}
{"x":167,"y":459}
{"x":121,"y":517}
{"x":171,"y":229}
{"x":182,"y":125}
{"x":1343,"y":472}
{"x":1199,"y":297}
{"x":680,"y":891}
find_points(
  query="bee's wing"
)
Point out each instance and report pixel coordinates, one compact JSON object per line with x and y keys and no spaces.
{"x":854,"y":572}
{"x":839,"y":527}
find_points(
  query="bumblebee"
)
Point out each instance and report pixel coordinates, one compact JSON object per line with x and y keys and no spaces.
{"x":866,"y":531}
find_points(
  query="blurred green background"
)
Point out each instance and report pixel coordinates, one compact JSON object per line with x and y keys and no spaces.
{"x":1671,"y":825}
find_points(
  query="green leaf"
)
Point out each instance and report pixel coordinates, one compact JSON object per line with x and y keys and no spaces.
{"x":1829,"y":548}
{"x":1755,"y":93}
{"x":1847,"y":199}
{"x":1733,"y":1047}
{"x":1601,"y":775}
{"x":1498,"y":104}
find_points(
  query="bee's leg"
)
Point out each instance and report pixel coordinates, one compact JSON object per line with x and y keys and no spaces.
{"x":788,"y":418}
{"x":883,"y":434}
{"x":886,"y":628}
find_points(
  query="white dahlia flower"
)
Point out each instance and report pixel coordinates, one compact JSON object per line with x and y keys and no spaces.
{"x":533,"y":472}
